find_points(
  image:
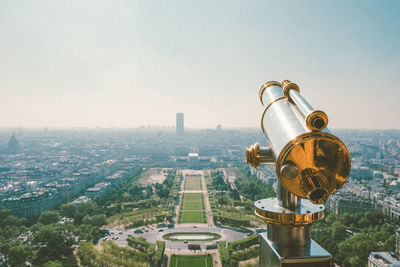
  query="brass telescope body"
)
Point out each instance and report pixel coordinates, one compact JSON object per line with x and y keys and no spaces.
{"x":311,"y":164}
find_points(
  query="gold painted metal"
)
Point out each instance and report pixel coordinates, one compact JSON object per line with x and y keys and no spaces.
{"x":256,"y":156}
{"x":323,"y":162}
{"x":288,"y":85}
{"x":271,"y":213}
{"x":265,"y":86}
{"x":317,"y":120}
{"x":289,"y":220}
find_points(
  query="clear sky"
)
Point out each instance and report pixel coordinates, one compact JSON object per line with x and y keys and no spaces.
{"x":127,"y":63}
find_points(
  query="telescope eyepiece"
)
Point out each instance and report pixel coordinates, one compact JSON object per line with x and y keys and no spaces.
{"x":314,"y":186}
{"x":318,"y":122}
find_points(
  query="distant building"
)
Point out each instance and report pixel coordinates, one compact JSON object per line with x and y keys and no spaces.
{"x":383,"y":259}
{"x":13,"y":145}
{"x":193,"y":161}
{"x":30,"y":204}
{"x":389,"y":207}
{"x":181,"y":151}
{"x":348,"y":203}
{"x":180,"y":127}
{"x":98,"y":189}
{"x":361,"y":173}
{"x":81,"y":199}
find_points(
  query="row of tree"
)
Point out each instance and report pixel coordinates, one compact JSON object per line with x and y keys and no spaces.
{"x":49,"y":241}
{"x":351,"y":238}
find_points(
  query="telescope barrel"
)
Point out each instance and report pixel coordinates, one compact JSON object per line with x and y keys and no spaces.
{"x":310,"y":163}
{"x":316,"y":120}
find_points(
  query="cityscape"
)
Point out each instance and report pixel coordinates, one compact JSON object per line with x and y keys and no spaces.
{"x":130,"y":133}
{"x":174,"y":193}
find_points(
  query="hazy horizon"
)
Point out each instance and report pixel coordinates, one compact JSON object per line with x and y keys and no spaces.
{"x":107,"y":64}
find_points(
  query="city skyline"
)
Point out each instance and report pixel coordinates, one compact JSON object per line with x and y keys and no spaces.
{"x":125,"y":64}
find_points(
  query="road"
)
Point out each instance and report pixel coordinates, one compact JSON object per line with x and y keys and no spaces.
{"x":154,"y":234}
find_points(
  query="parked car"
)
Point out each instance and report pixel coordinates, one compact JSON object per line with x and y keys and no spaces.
{"x":194,"y":246}
{"x":211,"y":246}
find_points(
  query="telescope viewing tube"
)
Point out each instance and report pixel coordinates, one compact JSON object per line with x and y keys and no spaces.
{"x":311,"y":164}
{"x":316,"y":120}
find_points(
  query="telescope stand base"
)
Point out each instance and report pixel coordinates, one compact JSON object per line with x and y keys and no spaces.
{"x":297,"y":256}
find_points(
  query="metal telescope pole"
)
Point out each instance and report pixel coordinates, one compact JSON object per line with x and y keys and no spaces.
{"x":311,"y":164}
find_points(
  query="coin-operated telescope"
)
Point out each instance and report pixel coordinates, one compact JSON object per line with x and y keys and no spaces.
{"x":311,"y":164}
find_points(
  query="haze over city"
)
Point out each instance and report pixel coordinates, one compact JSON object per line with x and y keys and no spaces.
{"x":126,"y":64}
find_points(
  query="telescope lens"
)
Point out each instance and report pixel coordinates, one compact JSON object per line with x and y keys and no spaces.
{"x":318,"y":196}
{"x":318,"y":123}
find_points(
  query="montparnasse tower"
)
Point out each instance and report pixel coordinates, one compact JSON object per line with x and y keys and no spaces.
{"x":13,"y":145}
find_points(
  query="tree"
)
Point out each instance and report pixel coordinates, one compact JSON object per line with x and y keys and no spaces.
{"x":17,"y":256}
{"x":53,"y":264}
{"x":358,"y":246}
{"x":97,"y":220}
{"x":364,"y":222}
{"x":4,"y":213}
{"x":338,"y":231}
{"x":68,"y":210}
{"x":49,"y":217}
{"x":56,"y":243}
{"x":390,"y":243}
{"x":346,"y":219}
{"x":331,"y":218}
{"x":235,"y":195}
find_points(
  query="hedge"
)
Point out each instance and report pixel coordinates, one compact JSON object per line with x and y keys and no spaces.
{"x":233,"y":222}
{"x":244,"y":243}
{"x":223,"y":253}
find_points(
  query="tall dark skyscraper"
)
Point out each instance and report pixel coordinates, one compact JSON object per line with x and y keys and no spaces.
{"x":13,"y":145}
{"x":180,"y":128}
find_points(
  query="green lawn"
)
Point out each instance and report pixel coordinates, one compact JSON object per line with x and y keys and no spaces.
{"x":192,"y":197}
{"x":195,"y":205}
{"x":191,"y":261}
{"x":192,"y":182}
{"x":192,"y":209}
{"x":193,"y":217}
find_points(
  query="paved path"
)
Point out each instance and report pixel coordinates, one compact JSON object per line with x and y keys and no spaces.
{"x":210,"y":219}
